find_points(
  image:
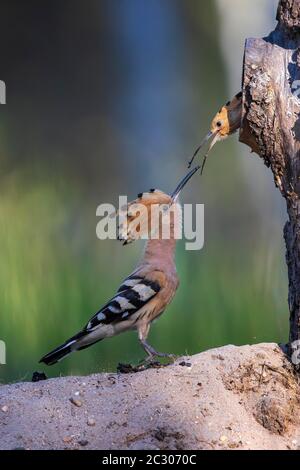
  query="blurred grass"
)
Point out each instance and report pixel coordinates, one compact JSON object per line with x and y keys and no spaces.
{"x":72,"y":136}
{"x":54,"y":274}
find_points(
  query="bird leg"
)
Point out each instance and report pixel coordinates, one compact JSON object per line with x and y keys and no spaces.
{"x":146,"y":363}
{"x":152,"y":353}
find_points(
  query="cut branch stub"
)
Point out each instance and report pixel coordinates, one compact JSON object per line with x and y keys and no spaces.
{"x":271,"y":126}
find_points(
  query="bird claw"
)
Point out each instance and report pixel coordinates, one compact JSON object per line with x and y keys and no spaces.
{"x":151,"y":358}
{"x":169,"y":355}
{"x":144,"y":365}
{"x":147,"y":363}
{"x":128,"y":368}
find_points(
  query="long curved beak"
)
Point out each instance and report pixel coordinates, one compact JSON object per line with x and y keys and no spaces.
{"x":206,"y":139}
{"x":182,"y":183}
{"x":214,"y":141}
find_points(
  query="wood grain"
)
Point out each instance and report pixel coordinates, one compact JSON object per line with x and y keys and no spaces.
{"x":271,"y":126}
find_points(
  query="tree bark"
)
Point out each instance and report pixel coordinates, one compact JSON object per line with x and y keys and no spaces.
{"x":271,"y":127}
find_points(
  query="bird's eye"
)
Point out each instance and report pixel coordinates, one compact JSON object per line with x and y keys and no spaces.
{"x":219,"y":124}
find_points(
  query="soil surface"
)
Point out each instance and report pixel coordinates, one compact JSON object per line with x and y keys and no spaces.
{"x":244,"y":397}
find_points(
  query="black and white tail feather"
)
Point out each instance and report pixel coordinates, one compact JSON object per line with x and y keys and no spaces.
{"x":134,"y":293}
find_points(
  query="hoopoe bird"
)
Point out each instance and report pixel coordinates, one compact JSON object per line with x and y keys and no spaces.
{"x":144,"y":294}
{"x":225,"y":123}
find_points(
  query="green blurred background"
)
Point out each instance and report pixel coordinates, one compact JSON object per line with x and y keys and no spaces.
{"x":111,"y":97}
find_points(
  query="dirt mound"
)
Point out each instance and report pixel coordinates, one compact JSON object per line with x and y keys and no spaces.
{"x":229,"y":398}
{"x":270,"y":388}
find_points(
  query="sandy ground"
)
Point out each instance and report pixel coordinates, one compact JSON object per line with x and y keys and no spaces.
{"x":228,"y":398}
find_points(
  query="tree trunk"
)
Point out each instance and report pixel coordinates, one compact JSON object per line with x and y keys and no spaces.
{"x":271,"y":127}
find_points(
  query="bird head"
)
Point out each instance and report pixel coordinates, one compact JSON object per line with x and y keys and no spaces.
{"x":225,"y":123}
{"x":220,"y":124}
{"x":154,"y":214}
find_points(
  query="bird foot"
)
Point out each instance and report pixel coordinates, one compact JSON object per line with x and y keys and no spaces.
{"x":147,"y":363}
{"x":132,"y":369}
{"x":127,"y":368}
{"x":155,"y":354}
{"x":151,"y":362}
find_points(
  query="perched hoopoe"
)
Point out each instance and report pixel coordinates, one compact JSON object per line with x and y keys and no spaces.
{"x":144,"y":295}
{"x":226,"y":122}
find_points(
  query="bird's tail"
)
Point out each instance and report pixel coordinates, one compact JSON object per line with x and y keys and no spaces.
{"x":62,"y":351}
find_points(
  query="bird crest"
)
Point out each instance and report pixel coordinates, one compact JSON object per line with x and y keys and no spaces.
{"x":148,"y":217}
{"x":154,"y":214}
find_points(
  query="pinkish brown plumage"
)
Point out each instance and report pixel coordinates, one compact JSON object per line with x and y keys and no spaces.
{"x":144,"y":294}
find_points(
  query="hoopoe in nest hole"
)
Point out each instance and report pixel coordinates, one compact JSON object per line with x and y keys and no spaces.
{"x":149,"y":289}
{"x":225,"y":123}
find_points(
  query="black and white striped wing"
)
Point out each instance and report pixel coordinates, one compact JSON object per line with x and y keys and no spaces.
{"x":134,"y":293}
